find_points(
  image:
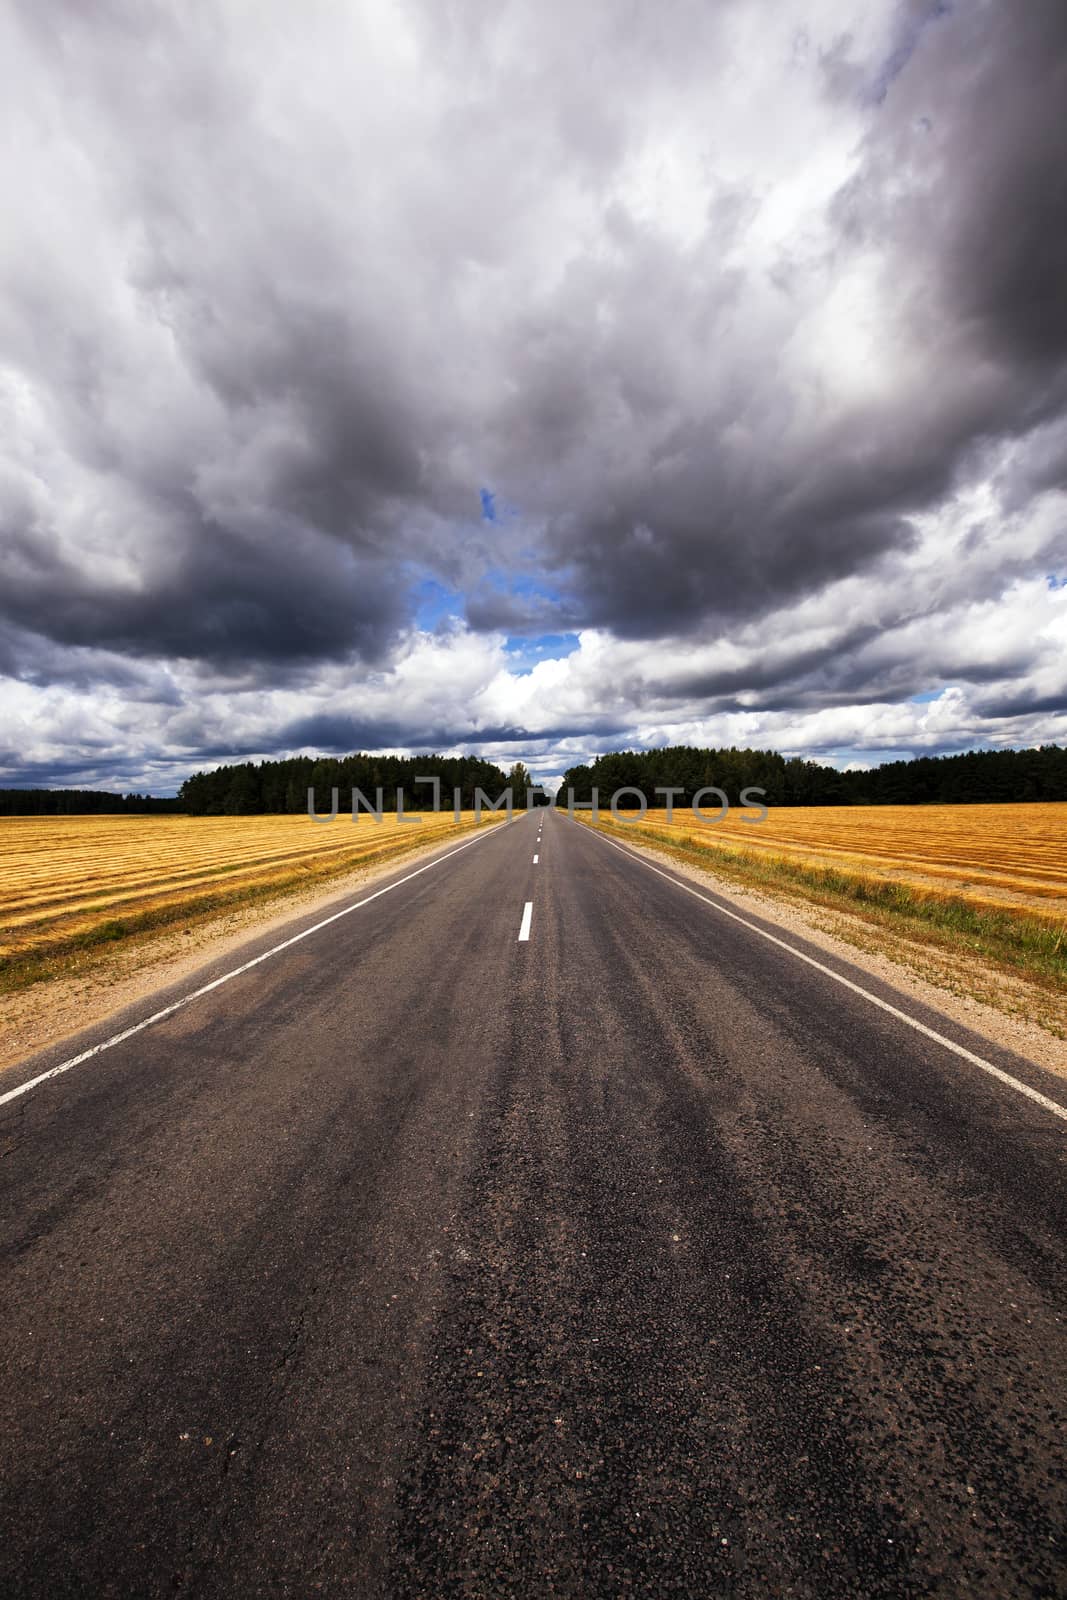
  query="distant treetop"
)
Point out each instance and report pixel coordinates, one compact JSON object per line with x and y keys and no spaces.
{"x":971,"y":778}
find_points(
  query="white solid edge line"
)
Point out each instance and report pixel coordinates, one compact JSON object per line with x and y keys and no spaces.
{"x":176,"y":1005}
{"x":913,"y":1022}
{"x":524,"y":925}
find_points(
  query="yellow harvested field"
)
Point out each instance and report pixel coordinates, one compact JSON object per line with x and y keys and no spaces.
{"x":74,"y":880}
{"x":1010,"y":856}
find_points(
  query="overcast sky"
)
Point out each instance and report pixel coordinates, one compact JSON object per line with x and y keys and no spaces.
{"x":536,"y":378}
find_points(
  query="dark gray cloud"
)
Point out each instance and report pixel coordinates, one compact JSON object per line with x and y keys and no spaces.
{"x":328,"y":730}
{"x":963,"y":183}
{"x":223,"y":596}
{"x":1024,"y":705}
{"x":755,"y":497}
{"x":337,"y":731}
{"x":490,"y":609}
{"x":757,"y":332}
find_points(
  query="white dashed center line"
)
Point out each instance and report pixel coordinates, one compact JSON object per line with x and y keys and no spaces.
{"x":527,"y":918}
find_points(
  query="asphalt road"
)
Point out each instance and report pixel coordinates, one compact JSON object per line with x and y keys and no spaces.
{"x":637,"y":1257}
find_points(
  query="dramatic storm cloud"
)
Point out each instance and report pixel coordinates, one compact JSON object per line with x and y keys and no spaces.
{"x":529,"y":378}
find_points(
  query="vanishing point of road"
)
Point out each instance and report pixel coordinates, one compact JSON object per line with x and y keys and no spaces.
{"x":532,"y":1228}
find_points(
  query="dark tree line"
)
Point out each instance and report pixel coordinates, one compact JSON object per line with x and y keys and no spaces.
{"x":77,"y":803}
{"x":979,"y":775}
{"x":282,"y":786}
{"x":249,"y":787}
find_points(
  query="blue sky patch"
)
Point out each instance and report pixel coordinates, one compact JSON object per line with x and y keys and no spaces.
{"x":525,"y":653}
{"x":434,"y":603}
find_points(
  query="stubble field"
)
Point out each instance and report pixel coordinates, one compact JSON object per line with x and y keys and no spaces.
{"x":1013,"y":855}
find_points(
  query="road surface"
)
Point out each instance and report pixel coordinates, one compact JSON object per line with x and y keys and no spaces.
{"x":632,"y":1256}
